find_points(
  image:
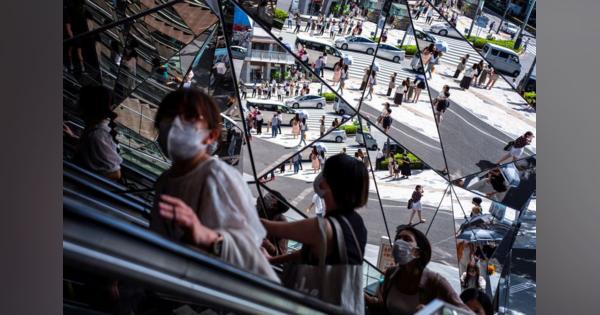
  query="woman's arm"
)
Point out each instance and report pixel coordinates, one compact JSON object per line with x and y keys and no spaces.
{"x":303,"y":231}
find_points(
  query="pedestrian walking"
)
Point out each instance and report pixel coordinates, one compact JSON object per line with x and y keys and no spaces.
{"x":391,"y":84}
{"x":322,"y":125}
{"x":492,"y":26}
{"x":318,"y":205}
{"x":517,"y":147}
{"x":478,"y":72}
{"x":303,"y":130}
{"x":298,"y":22}
{"x":483,"y":75}
{"x":365,"y":78}
{"x":441,"y":103}
{"x":414,"y":203}
{"x":391,"y":163}
{"x":275,"y":122}
{"x":405,"y":167}
{"x":429,"y":18}
{"x":309,"y":25}
{"x":401,"y":89}
{"x":493,"y":77}
{"x":525,"y":44}
{"x":259,"y":122}
{"x":297,"y":162}
{"x":243,"y":90}
{"x":254,"y":90}
{"x":319,"y":65}
{"x":314,"y":160}
{"x":337,"y":71}
{"x":343,"y":78}
{"x":461,"y":66}
{"x":371,"y":84}
{"x":465,"y":83}
{"x":296,"y":126}
{"x":419,"y":86}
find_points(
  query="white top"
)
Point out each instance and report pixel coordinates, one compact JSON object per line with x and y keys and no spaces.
{"x":98,"y":150}
{"x":221,"y":68}
{"x":318,"y":202}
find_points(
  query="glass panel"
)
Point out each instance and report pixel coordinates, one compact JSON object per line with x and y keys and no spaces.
{"x":482,"y":226}
{"x":482,"y":111}
{"x":511,"y":184}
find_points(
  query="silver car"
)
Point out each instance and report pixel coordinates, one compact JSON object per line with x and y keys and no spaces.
{"x":509,"y":28}
{"x":357,"y":43}
{"x":390,"y":52}
{"x":306,"y":101}
{"x":444,"y":29}
{"x":335,"y":135}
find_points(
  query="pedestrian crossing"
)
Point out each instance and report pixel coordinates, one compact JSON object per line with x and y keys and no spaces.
{"x":386,"y":70}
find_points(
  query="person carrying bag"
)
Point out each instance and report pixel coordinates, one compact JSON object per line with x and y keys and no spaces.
{"x":339,"y":284}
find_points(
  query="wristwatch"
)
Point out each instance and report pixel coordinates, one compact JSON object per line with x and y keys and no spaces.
{"x":217,"y":245}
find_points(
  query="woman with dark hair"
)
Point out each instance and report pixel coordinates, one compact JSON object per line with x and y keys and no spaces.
{"x":410,"y":285}
{"x":471,"y":278}
{"x":405,"y":167}
{"x":97,"y":149}
{"x":344,"y":186}
{"x":200,"y":199}
{"x":479,"y":302}
{"x":465,"y":83}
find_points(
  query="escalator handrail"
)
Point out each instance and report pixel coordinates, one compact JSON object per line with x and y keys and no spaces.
{"x":82,"y":213}
{"x":105,"y":181}
{"x":118,"y":198}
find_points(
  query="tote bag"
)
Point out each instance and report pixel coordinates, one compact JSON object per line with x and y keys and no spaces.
{"x":340,"y":284}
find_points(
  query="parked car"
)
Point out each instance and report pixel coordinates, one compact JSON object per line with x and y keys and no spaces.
{"x":365,"y":139}
{"x":502,"y":59}
{"x":444,"y":29}
{"x":268,"y":108}
{"x":424,"y":39}
{"x":390,"y":52}
{"x":238,"y":52}
{"x":335,"y":135}
{"x":316,"y":47}
{"x":342,"y":108}
{"x":306,"y":101}
{"x":357,"y":43}
{"x":509,"y":28}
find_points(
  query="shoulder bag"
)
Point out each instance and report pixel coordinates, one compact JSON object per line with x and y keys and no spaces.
{"x":340,"y":284}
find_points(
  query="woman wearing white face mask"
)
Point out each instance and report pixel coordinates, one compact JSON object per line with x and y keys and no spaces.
{"x":200,"y":199}
{"x":409,"y":286}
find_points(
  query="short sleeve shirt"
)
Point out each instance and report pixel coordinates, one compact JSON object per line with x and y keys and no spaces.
{"x":318,"y":202}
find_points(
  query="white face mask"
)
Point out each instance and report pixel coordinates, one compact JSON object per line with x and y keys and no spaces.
{"x":402,"y":252}
{"x":317,"y":185}
{"x":181,"y":140}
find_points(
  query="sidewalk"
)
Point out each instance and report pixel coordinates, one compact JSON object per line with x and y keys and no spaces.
{"x":500,"y":107}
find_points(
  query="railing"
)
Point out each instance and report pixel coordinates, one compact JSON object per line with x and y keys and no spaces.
{"x":437,"y":307}
{"x":270,"y":56}
{"x":173,"y":269}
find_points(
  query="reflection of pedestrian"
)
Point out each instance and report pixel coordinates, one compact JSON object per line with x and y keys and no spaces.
{"x":461,"y":66}
{"x":441,"y":103}
{"x":303,"y":130}
{"x":391,"y":84}
{"x":493,"y":78}
{"x":405,"y":169}
{"x":259,"y":122}
{"x":415,"y":204}
{"x":476,"y":210}
{"x":465,"y":83}
{"x":517,"y":147}
{"x":314,"y":160}
{"x":492,"y":26}
{"x":420,"y":85}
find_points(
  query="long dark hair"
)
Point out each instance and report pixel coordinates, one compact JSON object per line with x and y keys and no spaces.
{"x":95,"y":103}
{"x":475,"y":294}
{"x":472,"y":266}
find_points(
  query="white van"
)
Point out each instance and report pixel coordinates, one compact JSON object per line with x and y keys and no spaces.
{"x":267,"y":108}
{"x":316,"y":47}
{"x":502,"y":59}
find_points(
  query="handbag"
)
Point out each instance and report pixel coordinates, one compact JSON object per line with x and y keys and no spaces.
{"x":410,"y":203}
{"x":340,"y":284}
{"x":509,"y":145}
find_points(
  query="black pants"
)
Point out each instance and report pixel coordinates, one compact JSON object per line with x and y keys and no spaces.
{"x":259,"y":127}
{"x":456,"y":73}
{"x":389,"y":92}
{"x":297,"y":29}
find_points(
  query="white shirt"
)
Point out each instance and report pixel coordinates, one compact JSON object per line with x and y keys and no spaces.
{"x":98,"y":151}
{"x":221,"y":68}
{"x":318,"y":202}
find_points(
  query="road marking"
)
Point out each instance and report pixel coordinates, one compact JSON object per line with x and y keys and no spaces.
{"x":302,"y":195}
